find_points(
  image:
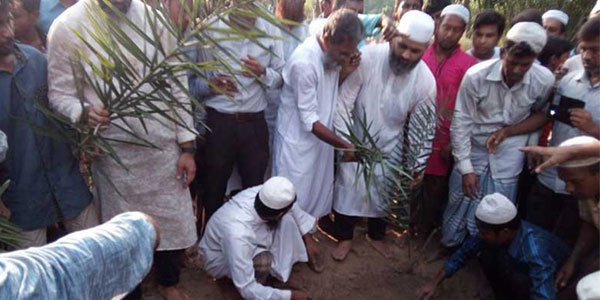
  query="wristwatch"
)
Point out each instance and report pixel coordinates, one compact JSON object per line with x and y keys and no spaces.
{"x":191,"y":150}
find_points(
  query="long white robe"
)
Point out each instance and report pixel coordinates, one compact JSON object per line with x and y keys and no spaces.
{"x":386,"y":100}
{"x":309,"y":95}
{"x":235,"y":234}
{"x":149,"y":185}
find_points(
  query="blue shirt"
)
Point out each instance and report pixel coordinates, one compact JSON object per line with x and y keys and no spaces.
{"x":49,"y":10}
{"x":44,"y":173}
{"x":540,"y":250}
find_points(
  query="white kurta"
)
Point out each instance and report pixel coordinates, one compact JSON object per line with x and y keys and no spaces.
{"x":235,"y":234}
{"x":309,"y":95}
{"x":387,"y":101}
{"x":150,"y":184}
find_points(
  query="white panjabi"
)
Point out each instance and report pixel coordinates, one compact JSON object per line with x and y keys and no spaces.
{"x":458,"y":10}
{"x":588,"y":288}
{"x":529,"y":32}
{"x":595,"y":9}
{"x":583,"y":162}
{"x":556,"y":14}
{"x":417,"y":26}
{"x":495,"y":209}
{"x":277,"y":193}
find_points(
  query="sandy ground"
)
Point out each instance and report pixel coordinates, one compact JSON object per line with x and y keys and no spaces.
{"x":365,"y":274}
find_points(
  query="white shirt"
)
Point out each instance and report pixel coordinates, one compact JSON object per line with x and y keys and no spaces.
{"x":235,"y":234}
{"x":251,"y":92}
{"x":573,"y":64}
{"x":575,"y":85}
{"x":486,"y":104}
{"x":494,"y":56}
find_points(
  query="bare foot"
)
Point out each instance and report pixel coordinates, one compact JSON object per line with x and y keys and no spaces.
{"x":315,"y":259}
{"x":380,"y":246}
{"x":341,"y":250}
{"x":173,"y":293}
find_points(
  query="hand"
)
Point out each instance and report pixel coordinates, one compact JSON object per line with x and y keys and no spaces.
{"x":299,"y":295}
{"x":470,"y":185}
{"x":389,"y":30}
{"x":534,"y":160}
{"x":97,"y":116}
{"x":556,"y":155}
{"x":417,"y":180}
{"x":349,"y":154}
{"x":427,"y":291}
{"x":582,"y":119}
{"x":495,"y":139}
{"x":186,"y":166}
{"x":564,"y":274}
{"x":254,"y":68}
{"x":223,"y":84}
{"x":350,"y":65}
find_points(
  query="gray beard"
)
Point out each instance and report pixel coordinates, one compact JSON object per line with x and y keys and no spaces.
{"x":399,"y":67}
{"x":329,"y":63}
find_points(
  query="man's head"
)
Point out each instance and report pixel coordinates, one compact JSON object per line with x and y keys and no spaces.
{"x":326,"y":7}
{"x":25,"y":14}
{"x":555,"y":53}
{"x":292,"y":10}
{"x":434,"y":9}
{"x":555,"y":22}
{"x":406,"y":6}
{"x":275,"y":199}
{"x":121,"y":5}
{"x":358,"y":6}
{"x":341,"y":34}
{"x":523,"y":43}
{"x":529,"y":15}
{"x":487,"y":30}
{"x":453,"y":22}
{"x":589,"y":45}
{"x":496,"y":219}
{"x":7,"y":32}
{"x":581,"y":176}
{"x":414,"y":34}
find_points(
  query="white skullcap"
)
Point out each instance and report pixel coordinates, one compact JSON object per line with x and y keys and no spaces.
{"x":458,"y":10}
{"x":529,"y":32}
{"x":588,"y":288}
{"x":277,"y":193}
{"x":556,"y":14}
{"x":596,"y":9}
{"x":495,"y":209}
{"x":584,"y":162}
{"x":3,"y":146}
{"x":417,"y":26}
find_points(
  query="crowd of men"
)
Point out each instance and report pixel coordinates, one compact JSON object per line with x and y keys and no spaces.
{"x":277,"y":134}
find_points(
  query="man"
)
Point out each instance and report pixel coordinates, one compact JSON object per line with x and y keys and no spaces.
{"x":326,"y":7}
{"x":549,"y":205}
{"x":533,"y":15}
{"x":304,"y":140}
{"x":555,"y":22}
{"x":260,"y":232}
{"x":448,"y":63}
{"x":377,"y":91}
{"x":519,"y":259}
{"x":160,"y":192}
{"x":239,"y":134}
{"x":499,"y":104}
{"x":402,"y":7}
{"x":50,"y":10}
{"x":434,"y":8}
{"x":46,"y":186}
{"x":488,"y":28}
{"x":26,"y":14}
{"x":555,"y":53}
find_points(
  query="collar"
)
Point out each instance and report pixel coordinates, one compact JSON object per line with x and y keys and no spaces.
{"x":582,"y":77}
{"x":495,"y":74}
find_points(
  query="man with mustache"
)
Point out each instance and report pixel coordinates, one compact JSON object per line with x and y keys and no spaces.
{"x":378,"y":90}
{"x":500,"y":102}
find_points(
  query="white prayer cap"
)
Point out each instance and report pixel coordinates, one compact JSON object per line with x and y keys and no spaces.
{"x":458,"y":10}
{"x":596,"y":9}
{"x":556,"y":14}
{"x":277,"y":193}
{"x":495,"y":209}
{"x":584,"y":162}
{"x":529,"y":32}
{"x":417,"y":26}
{"x":588,"y":288}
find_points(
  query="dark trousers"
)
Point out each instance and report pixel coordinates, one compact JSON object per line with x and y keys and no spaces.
{"x":241,"y":139}
{"x":508,"y":278}
{"x":557,"y":213}
{"x":431,"y":202}
{"x":168,"y":268}
{"x":343,"y":227}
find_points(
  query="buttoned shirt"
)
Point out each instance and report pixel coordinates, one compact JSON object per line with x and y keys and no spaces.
{"x":496,"y":54}
{"x":575,"y":85}
{"x":486,"y":104}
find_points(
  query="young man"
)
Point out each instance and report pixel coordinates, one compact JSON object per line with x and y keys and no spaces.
{"x":46,"y":186}
{"x":555,"y":22}
{"x":488,"y":28}
{"x":448,"y":63}
{"x":434,"y":8}
{"x":403,"y":6}
{"x":260,"y":232}
{"x":555,"y":53}
{"x":377,"y":91}
{"x":304,"y":143}
{"x":26,"y":14}
{"x":499,"y":104}
{"x":519,"y":259}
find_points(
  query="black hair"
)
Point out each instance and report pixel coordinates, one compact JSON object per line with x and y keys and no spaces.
{"x":528,"y":15}
{"x":343,"y":25}
{"x":555,"y":47}
{"x":434,"y":6}
{"x":490,"y":17}
{"x":512,"y":224}
{"x":266,"y":212}
{"x":590,"y":30}
{"x":521,"y":49}
{"x":30,"y":5}
{"x":338,"y":4}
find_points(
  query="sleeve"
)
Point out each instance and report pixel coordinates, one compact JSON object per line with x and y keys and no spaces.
{"x":272,"y":78}
{"x":347,"y":95}
{"x":370,"y":22}
{"x":467,"y":250}
{"x":239,"y":257}
{"x":304,"y":83}
{"x":421,"y":129}
{"x":462,"y":125}
{"x":306,"y":222}
{"x":3,"y":146}
{"x":541,"y":271}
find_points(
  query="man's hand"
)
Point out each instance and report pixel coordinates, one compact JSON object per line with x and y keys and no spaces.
{"x":534,"y":160}
{"x":350,"y":66}
{"x":186,"y":168}
{"x":564,"y":274}
{"x":582,"y":119}
{"x":223,"y":84}
{"x":495,"y":139}
{"x":389,"y":30}
{"x":299,"y":295}
{"x":417,"y":180}
{"x":470,"y":185}
{"x":349,"y":154}
{"x":97,"y":116}
{"x":254,"y":68}
{"x":427,"y":291}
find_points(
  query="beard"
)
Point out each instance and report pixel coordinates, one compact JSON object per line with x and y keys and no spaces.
{"x":7,"y":47}
{"x":329,"y":62}
{"x":401,"y":66}
{"x":592,"y":69}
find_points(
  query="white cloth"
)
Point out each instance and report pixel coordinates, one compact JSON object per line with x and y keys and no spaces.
{"x":235,"y":234}
{"x":316,"y":26}
{"x":150,"y":185}
{"x":596,"y":9}
{"x":573,"y":64}
{"x":556,"y":14}
{"x":417,"y":26}
{"x":458,"y":10}
{"x":309,"y":95}
{"x":582,"y":162}
{"x":495,"y":209}
{"x":387,"y":103}
{"x":251,"y":96}
{"x":485,"y":104}
{"x":495,"y":56}
{"x":533,"y":34}
{"x":588,"y":288}
{"x":277,"y":193}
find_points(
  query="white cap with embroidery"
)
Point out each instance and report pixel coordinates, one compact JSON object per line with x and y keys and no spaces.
{"x":584,"y":162}
{"x":556,"y":14}
{"x":458,"y":10}
{"x":495,"y":209}
{"x":529,"y":32}
{"x":277,"y":193}
{"x":417,"y":26}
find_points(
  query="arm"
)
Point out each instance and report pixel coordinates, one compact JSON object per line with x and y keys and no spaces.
{"x":541,"y":271}
{"x":273,"y":78}
{"x":462,"y":126}
{"x":557,"y":155}
{"x":586,"y":241}
{"x":582,"y":119}
{"x":534,"y":122}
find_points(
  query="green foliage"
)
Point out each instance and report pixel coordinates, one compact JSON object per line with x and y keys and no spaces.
{"x":10,"y":235}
